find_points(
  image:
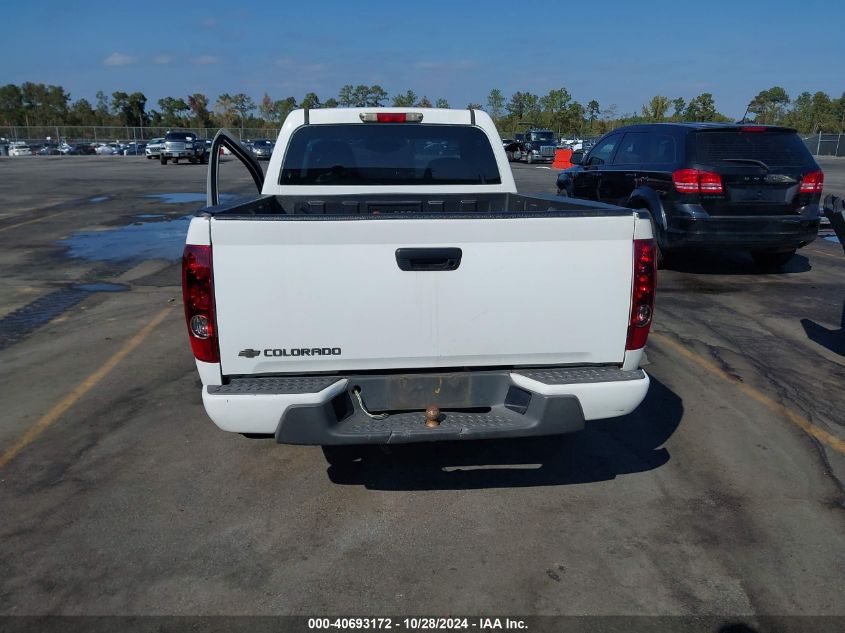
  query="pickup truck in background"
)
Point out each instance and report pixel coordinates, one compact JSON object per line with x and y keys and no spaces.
{"x":390,"y":285}
{"x":178,"y":145}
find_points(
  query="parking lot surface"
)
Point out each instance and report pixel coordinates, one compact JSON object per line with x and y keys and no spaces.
{"x":722,"y":494}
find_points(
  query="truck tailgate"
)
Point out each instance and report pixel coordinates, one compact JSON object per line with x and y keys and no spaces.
{"x":301,"y":294}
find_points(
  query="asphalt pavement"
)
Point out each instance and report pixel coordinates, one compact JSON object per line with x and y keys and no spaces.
{"x":721,"y":494}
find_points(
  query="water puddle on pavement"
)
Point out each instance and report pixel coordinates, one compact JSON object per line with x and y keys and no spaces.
{"x":156,"y":239}
{"x":101,"y":287}
{"x":181,"y":198}
{"x":832,"y":238}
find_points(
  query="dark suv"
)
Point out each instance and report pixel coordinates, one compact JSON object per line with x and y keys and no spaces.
{"x":750,"y":187}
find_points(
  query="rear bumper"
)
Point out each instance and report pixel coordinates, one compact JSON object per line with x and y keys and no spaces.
{"x":182,"y":153}
{"x":474,"y":405}
{"x":775,"y":232}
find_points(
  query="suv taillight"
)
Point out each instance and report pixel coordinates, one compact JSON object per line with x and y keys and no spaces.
{"x":812,"y":182}
{"x":642,"y":293}
{"x":697,"y":181}
{"x":198,"y":298}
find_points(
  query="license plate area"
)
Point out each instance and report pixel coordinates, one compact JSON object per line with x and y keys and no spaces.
{"x":758,"y":194}
{"x":409,"y":392}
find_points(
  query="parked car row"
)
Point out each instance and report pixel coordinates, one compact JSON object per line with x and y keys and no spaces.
{"x":23,"y":148}
{"x":183,"y":145}
{"x":750,"y":187}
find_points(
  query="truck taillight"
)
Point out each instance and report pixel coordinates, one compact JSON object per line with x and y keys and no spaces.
{"x":642,"y":293}
{"x":812,"y":182}
{"x":198,"y":298}
{"x":697,"y":181}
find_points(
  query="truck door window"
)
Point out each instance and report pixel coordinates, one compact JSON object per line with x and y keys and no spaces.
{"x":601,"y":153}
{"x":635,"y":149}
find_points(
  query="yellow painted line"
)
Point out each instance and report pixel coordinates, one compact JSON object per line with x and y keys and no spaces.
{"x":80,"y":390}
{"x":798,"y":420}
{"x":45,"y":217}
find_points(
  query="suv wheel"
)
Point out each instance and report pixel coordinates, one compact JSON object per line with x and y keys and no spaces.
{"x":529,"y":158}
{"x":175,"y":161}
{"x":162,"y":159}
{"x":768,"y":259}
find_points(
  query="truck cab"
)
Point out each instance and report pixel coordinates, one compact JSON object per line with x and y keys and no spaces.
{"x":539,"y":146}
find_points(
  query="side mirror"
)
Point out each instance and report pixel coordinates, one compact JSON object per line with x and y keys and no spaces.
{"x":577,"y":157}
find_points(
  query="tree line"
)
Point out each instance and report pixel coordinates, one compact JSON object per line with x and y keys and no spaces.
{"x":40,"y":104}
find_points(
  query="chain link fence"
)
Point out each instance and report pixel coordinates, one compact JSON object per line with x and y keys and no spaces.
{"x":825,"y":144}
{"x":107,"y":134}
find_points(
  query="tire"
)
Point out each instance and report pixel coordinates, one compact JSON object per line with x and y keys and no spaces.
{"x":162,"y":159}
{"x":529,"y":158}
{"x":204,"y":159}
{"x":510,"y":156}
{"x":193,"y":160}
{"x":563,"y":193}
{"x":342,"y":456}
{"x":149,"y":157}
{"x":768,"y":259}
{"x":175,"y":161}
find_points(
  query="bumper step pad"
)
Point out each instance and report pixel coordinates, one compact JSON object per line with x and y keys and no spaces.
{"x":274,"y":386}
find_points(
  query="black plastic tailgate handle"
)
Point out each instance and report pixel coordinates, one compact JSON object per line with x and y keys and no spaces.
{"x":428,"y":258}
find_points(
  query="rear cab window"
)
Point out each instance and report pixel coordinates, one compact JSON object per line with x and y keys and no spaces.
{"x":388,"y":154}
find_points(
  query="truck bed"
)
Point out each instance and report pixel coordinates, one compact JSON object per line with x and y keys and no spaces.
{"x":486,"y":205}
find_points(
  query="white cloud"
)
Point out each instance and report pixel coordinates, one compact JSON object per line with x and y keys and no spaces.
{"x":162,"y":59}
{"x":118,"y":59}
{"x":205,"y":60}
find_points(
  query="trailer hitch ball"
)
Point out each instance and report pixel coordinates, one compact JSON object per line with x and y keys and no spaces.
{"x":432,"y":417}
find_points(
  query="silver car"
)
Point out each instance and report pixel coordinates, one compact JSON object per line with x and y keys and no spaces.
{"x":261,"y":149}
{"x":153,"y":149}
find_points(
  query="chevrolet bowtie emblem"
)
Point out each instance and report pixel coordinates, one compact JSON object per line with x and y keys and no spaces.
{"x":249,"y":353}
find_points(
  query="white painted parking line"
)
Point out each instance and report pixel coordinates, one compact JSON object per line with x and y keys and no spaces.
{"x":542,"y":167}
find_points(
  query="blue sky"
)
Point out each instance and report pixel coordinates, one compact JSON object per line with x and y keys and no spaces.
{"x":614,"y":52}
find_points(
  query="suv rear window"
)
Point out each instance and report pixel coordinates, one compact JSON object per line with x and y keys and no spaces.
{"x":783,"y":149}
{"x":389,"y":154}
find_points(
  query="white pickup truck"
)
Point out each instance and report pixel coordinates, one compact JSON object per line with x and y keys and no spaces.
{"x":390,"y":285}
